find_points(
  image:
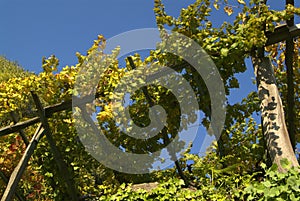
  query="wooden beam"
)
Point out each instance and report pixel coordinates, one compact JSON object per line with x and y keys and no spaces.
{"x":20,"y":168}
{"x":49,"y":111}
{"x":16,"y":127}
{"x":281,"y":33}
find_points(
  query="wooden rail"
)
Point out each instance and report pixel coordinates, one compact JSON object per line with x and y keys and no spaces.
{"x":282,"y":32}
{"x":49,"y":111}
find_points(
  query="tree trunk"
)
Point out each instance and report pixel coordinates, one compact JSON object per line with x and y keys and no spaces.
{"x":274,"y":126}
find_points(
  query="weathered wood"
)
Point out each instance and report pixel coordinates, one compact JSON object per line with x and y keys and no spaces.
{"x":274,"y":127}
{"x":281,"y":33}
{"x":17,"y":194}
{"x":62,"y":167}
{"x":21,"y":131}
{"x":16,"y":127}
{"x":290,"y":96}
{"x":49,"y":111}
{"x":20,"y":168}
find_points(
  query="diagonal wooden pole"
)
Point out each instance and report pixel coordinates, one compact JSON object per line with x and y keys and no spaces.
{"x":20,"y":168}
{"x":62,"y":167}
{"x":17,"y":194}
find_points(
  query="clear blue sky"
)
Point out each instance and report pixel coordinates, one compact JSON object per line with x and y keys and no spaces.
{"x":32,"y":29}
{"x":36,"y":28}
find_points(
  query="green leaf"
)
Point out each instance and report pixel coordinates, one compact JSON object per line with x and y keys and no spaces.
{"x":267,"y":184}
{"x":293,"y":182}
{"x":285,"y":163}
{"x":48,"y":174}
{"x":263,"y":166}
{"x":224,"y":52}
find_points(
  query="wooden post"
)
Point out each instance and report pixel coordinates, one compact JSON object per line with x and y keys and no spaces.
{"x":22,"y":134}
{"x":20,"y":168}
{"x":289,"y":54}
{"x":62,"y":167}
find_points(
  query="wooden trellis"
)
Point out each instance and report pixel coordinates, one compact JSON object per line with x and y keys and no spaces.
{"x":43,"y":129}
{"x":286,"y":32}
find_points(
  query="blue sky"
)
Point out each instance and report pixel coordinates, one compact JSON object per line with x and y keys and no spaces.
{"x":35,"y":28}
{"x":32,"y":29}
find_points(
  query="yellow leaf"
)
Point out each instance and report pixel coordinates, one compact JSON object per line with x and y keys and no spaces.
{"x":228,"y":10}
{"x":241,"y":2}
{"x":216,"y":5}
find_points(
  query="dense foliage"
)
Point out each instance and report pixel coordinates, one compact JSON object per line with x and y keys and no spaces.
{"x":234,"y":167}
{"x":220,"y":185}
{"x":10,"y":69}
